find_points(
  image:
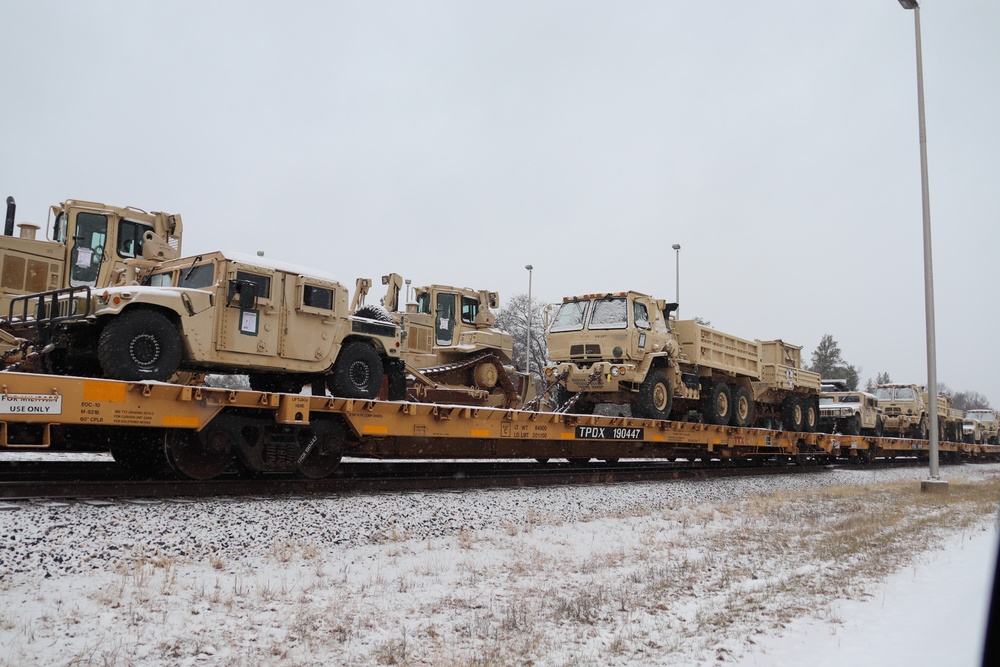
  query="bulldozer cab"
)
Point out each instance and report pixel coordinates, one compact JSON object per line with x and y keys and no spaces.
{"x":90,"y":245}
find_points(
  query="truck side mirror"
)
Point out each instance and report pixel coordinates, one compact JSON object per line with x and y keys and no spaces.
{"x":247,"y":290}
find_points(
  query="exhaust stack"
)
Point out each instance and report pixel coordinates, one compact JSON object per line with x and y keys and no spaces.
{"x":8,"y":228}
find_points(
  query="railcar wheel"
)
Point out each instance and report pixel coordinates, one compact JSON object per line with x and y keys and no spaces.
{"x":324,"y":455}
{"x":139,"y":345}
{"x":655,"y":398}
{"x":742,"y":407}
{"x":357,"y":373}
{"x":717,"y":405}
{"x":198,"y":455}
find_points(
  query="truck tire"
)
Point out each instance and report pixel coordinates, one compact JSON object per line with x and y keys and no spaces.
{"x":717,"y":404}
{"x":357,"y":372}
{"x":373,"y":312}
{"x":920,"y":430}
{"x":139,"y":344}
{"x":852,"y":425}
{"x":792,"y":414}
{"x":810,"y":415}
{"x":655,"y":398}
{"x":742,"y":407}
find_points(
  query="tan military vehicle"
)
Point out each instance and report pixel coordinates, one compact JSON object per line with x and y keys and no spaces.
{"x":88,"y":246}
{"x":452,"y":348}
{"x":907,"y":413}
{"x":849,"y":412}
{"x":625,"y":348}
{"x":981,"y":426}
{"x":283,"y":325}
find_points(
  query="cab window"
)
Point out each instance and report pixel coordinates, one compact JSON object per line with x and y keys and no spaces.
{"x":88,"y":248}
{"x":263,"y":283}
{"x":317,"y":297}
{"x":130,"y":239}
{"x":470,"y":308}
{"x":641,"y":316}
{"x":610,"y":314}
{"x":424,"y":303}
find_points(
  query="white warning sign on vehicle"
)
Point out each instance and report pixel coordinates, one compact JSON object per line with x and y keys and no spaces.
{"x":30,"y":404}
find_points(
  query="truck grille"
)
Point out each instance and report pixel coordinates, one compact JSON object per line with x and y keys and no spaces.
{"x":588,"y":351}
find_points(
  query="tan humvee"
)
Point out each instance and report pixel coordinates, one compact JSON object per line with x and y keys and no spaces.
{"x":283,"y":325}
{"x":90,"y":244}
{"x":849,"y":412}
{"x":452,"y":348}
{"x":625,"y":348}
{"x":981,"y":426}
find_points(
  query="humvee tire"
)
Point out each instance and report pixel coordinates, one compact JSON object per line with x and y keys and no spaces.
{"x":140,"y":344}
{"x":357,"y":373}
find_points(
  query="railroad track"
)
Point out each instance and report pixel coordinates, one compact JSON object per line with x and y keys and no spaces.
{"x":46,"y":483}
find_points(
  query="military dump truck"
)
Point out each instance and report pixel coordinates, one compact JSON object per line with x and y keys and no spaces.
{"x":90,"y":244}
{"x":625,"y":348}
{"x":452,"y":349}
{"x":849,"y":412}
{"x":981,"y":426}
{"x":220,"y":312}
{"x":907,"y":413}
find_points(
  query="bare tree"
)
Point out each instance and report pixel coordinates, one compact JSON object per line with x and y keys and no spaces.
{"x":513,"y":318}
{"x":880,"y":378}
{"x":970,"y":400}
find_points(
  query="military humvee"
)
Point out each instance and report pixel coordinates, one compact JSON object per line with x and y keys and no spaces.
{"x":283,"y":325}
{"x":981,"y":426}
{"x":849,"y":412}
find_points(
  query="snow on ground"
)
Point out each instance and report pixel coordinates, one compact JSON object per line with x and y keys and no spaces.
{"x":675,"y":573}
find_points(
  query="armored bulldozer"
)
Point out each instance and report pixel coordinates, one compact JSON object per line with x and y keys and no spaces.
{"x":282,"y":325}
{"x":452,"y":349}
{"x":626,"y":348}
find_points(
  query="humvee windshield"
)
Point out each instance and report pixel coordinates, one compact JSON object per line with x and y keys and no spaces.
{"x":610,"y":314}
{"x":570,"y":316}
{"x":850,"y":399}
{"x":983,"y":416}
{"x":827,"y":400}
{"x":200,"y":275}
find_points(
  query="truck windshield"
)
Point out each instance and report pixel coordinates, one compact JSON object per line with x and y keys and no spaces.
{"x":570,"y":316}
{"x":610,"y":314}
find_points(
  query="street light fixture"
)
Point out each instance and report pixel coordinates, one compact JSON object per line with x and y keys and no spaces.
{"x":934,"y":482}
{"x":527,"y":338}
{"x":677,"y":278}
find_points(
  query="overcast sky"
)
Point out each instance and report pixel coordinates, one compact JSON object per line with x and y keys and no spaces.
{"x":455,"y":142}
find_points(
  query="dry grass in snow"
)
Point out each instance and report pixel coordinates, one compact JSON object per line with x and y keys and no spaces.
{"x":683,"y":583}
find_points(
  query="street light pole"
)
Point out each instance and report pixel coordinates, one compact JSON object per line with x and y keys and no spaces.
{"x":677,"y":277}
{"x":527,"y":341}
{"x":934,"y":482}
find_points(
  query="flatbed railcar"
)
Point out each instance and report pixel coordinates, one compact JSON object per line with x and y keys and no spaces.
{"x":202,"y":431}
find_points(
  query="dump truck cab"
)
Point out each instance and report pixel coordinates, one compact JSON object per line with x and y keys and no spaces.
{"x":981,"y":426}
{"x":905,"y":409}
